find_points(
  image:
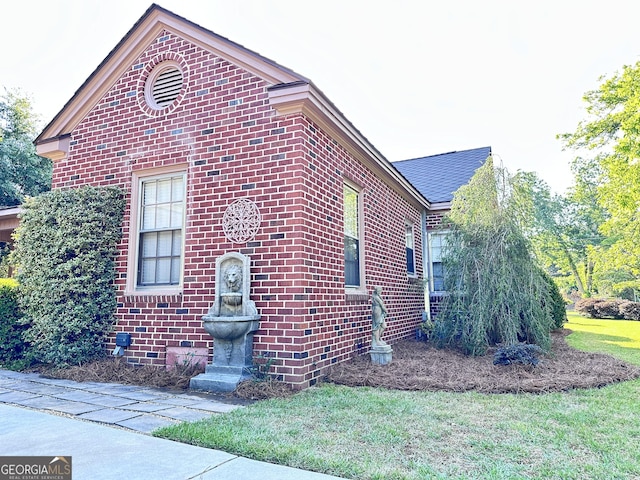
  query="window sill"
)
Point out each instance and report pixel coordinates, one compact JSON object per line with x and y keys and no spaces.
{"x":353,"y":295}
{"x":438,"y":294}
{"x":159,"y":295}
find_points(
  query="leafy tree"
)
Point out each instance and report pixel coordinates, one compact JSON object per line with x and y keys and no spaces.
{"x":610,"y":137}
{"x":564,"y":229}
{"x":22,"y":172}
{"x":497,"y":292}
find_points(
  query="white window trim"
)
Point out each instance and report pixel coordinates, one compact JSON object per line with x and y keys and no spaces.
{"x":362,"y":288}
{"x":138,"y":177}
{"x":431,"y":277}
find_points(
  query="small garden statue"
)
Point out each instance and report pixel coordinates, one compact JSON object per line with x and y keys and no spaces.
{"x":380,"y":351}
{"x":379,"y":314}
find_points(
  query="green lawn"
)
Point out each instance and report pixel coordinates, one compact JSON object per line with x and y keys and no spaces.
{"x":366,"y":433}
{"x":620,"y":338}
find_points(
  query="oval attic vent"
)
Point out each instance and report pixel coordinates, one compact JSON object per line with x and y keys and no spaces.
{"x":167,"y":86}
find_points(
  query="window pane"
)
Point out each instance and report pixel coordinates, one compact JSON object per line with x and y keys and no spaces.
{"x":438,"y":276}
{"x":164,"y":191}
{"x":409,"y":236}
{"x":177,"y":189}
{"x":163,"y":273}
{"x":175,"y":270}
{"x":351,"y":261}
{"x":148,"y":218}
{"x":149,"y":245}
{"x":176,"y":249}
{"x":163,"y":216}
{"x":148,"y":274}
{"x":149,"y":195}
{"x":410,"y":261}
{"x":164,"y":244}
{"x":350,"y":212}
{"x":176,"y":215}
{"x":409,"y":244}
{"x":436,"y":247}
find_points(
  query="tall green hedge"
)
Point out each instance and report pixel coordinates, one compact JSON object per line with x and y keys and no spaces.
{"x":13,"y":348}
{"x":65,"y":248}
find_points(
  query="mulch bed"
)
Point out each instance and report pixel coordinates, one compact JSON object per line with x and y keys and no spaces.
{"x":117,"y":370}
{"x":415,"y":366}
{"x":420,"y":366}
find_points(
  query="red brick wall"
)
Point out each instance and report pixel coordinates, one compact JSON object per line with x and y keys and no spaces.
{"x":293,"y":172}
{"x":434,"y":220}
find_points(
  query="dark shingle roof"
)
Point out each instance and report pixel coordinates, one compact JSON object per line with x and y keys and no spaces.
{"x":438,"y":176}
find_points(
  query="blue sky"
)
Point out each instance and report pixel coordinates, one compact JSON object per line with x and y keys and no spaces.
{"x":416,"y":77}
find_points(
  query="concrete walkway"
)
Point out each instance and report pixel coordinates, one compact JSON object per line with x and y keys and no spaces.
{"x":105,"y":427}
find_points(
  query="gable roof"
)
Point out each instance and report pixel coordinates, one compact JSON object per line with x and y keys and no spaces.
{"x":438,"y":176}
{"x":153,"y":21}
{"x":289,"y":93}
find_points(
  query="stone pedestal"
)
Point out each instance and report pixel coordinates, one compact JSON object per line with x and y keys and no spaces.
{"x":232,"y":363}
{"x":220,"y":379}
{"x":381,"y":354}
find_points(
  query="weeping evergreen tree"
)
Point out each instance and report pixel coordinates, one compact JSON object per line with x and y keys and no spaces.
{"x":497,"y":293}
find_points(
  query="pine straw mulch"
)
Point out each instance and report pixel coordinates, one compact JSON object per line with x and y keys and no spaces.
{"x":415,"y":366}
{"x":118,"y":370}
{"x":420,"y":366}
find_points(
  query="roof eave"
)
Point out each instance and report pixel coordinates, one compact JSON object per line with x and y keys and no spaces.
{"x":9,"y":218}
{"x":305,"y":98}
{"x":437,"y":207}
{"x":56,"y":148}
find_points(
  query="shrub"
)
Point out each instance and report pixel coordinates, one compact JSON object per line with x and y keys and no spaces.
{"x":5,"y":252}
{"x":65,"y":248}
{"x":13,"y":348}
{"x":586,"y":307}
{"x":425,"y":330}
{"x":602,"y":308}
{"x":608,"y":309}
{"x":630,"y":310}
{"x":8,"y":282}
{"x":519,"y":353}
{"x":555,"y":303}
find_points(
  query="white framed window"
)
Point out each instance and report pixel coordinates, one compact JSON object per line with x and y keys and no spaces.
{"x":353,"y":254}
{"x":409,"y":244}
{"x":156,"y":250}
{"x":437,"y":241}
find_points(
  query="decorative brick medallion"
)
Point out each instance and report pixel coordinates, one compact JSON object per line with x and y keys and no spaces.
{"x":241,"y":221}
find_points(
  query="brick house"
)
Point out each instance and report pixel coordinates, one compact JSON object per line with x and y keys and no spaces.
{"x":437,"y":177}
{"x":188,"y":123}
